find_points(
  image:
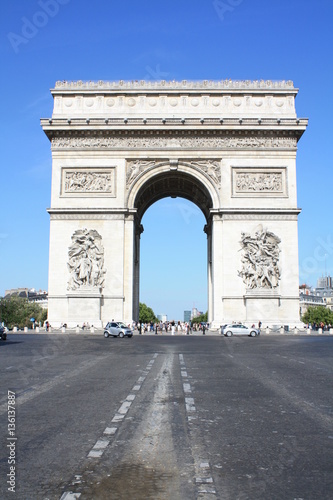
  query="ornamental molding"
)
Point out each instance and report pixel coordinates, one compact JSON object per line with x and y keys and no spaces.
{"x":79,"y":216}
{"x":173,"y":140}
{"x":263,"y":217}
{"x":88,"y":181}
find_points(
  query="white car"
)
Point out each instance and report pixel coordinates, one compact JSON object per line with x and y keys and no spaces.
{"x":239,"y":329}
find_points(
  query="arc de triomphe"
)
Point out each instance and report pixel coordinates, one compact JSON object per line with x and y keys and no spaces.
{"x":228,"y":146}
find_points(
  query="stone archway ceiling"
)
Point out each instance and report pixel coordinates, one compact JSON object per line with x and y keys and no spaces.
{"x":174,"y":184}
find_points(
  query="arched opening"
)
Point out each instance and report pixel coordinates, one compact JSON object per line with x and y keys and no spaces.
{"x":171,"y":184}
{"x":173,"y":258}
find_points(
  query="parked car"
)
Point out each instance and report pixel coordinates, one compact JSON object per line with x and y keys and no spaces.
{"x":117,"y":329}
{"x":3,"y":333}
{"x":239,"y":329}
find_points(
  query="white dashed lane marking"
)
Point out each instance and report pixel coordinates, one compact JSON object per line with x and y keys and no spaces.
{"x":187,"y":388}
{"x":203,"y":480}
{"x":102,"y":443}
{"x":70,"y":496}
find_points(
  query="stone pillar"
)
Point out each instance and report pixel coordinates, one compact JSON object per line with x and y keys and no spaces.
{"x":218,"y":256}
{"x":208,"y":231}
{"x":129,"y":240}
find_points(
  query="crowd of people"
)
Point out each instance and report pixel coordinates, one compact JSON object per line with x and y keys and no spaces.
{"x":173,"y":327}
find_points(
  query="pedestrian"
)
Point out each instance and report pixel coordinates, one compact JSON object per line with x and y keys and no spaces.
{"x":204,"y":329}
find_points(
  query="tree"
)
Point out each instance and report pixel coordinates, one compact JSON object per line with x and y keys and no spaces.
{"x":201,"y":319}
{"x":17,"y":311}
{"x":318,"y":314}
{"x":146,"y":314}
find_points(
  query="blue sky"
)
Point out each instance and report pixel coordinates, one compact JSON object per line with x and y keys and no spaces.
{"x":183,"y":39}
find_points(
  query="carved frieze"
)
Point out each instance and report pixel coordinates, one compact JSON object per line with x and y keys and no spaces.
{"x":252,"y":181}
{"x":88,"y":182}
{"x":260,"y":259}
{"x":86,"y":260}
{"x":155,"y":140}
{"x":247,"y":183}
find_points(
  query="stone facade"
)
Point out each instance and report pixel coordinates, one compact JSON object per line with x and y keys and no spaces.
{"x":229,"y":146}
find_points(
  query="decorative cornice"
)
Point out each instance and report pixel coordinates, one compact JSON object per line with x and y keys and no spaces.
{"x":136,"y":123}
{"x":203,"y":85}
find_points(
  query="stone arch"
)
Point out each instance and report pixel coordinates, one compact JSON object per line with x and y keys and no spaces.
{"x":183,"y":179}
{"x":180,"y":179}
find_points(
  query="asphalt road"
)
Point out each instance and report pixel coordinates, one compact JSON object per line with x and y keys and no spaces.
{"x":157,"y":417}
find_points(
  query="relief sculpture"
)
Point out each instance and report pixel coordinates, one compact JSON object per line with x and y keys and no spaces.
{"x":135,"y":168}
{"x":211,"y":168}
{"x":86,"y":260}
{"x":260,"y":259}
{"x":81,"y":182}
{"x":156,"y":141}
{"x":257,"y":182}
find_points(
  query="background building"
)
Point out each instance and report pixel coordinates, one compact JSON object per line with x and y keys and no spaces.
{"x":187,"y":316}
{"x":33,"y":295}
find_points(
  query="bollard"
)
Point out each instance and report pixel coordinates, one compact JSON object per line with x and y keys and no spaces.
{"x":77,"y":329}
{"x":267,"y":330}
{"x":295,"y":330}
{"x":37,"y":329}
{"x":331,"y":331}
{"x":63,"y":329}
{"x":320,"y":331}
{"x":25,"y":329}
{"x":308,"y":331}
{"x":15,"y":329}
{"x":92,"y":329}
{"x":281,"y":330}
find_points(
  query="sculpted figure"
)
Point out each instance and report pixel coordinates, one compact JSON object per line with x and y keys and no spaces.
{"x":260,"y":259}
{"x":86,"y":260}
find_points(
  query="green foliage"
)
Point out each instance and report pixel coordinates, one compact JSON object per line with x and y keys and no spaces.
{"x":318,"y":314}
{"x":146,"y":314}
{"x":17,"y":311}
{"x":203,"y":318}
